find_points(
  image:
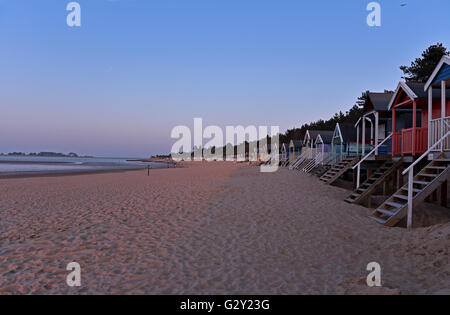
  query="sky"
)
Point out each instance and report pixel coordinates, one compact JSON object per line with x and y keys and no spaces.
{"x":135,"y":69}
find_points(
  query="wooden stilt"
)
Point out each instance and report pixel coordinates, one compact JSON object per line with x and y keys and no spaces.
{"x":444,"y":194}
{"x":400,"y":178}
{"x":435,"y":195}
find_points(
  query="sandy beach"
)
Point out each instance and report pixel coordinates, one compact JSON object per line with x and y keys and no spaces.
{"x":206,"y":228}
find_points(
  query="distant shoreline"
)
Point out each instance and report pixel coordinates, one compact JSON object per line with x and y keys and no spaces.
{"x":34,"y":162}
{"x":41,"y":155}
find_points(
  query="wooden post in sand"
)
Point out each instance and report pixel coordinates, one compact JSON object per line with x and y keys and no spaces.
{"x":444,"y":190}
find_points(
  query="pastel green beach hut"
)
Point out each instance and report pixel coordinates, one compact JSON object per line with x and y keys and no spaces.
{"x":344,"y":142}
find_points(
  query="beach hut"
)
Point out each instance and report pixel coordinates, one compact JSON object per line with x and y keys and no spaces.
{"x":427,"y":132}
{"x":284,"y":153}
{"x":295,"y":149}
{"x":438,"y":113}
{"x":337,"y":140}
{"x":374,"y":145}
{"x":310,"y":138}
{"x":344,"y":142}
{"x":410,"y":105}
{"x":320,"y":152}
{"x":323,"y":141}
{"x":375,"y":124}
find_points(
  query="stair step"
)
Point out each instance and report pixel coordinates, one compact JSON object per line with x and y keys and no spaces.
{"x":394,"y":204}
{"x":428,"y":175}
{"x":386,"y":212}
{"x":349,"y":200}
{"x":420,"y":182}
{"x":401,"y":197}
{"x":414,"y":189}
{"x":436,"y":167}
{"x":379,"y":220}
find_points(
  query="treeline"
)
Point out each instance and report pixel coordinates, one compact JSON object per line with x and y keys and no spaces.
{"x":350,"y":117}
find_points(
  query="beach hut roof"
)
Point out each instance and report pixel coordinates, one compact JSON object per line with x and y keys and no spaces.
{"x":347,"y":132}
{"x":379,"y":101}
{"x":414,"y":90}
{"x":296,"y":143}
{"x":442,"y":72}
{"x":312,"y":134}
{"x":325,"y":137}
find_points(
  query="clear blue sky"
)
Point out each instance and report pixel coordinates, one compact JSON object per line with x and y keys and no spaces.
{"x":117,"y":85}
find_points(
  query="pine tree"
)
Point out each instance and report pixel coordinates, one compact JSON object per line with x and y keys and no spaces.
{"x":421,"y":69}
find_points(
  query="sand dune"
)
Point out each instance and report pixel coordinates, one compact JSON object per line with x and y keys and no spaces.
{"x":206,"y":229}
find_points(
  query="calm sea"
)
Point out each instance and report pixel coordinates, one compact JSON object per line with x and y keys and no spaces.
{"x":17,"y":165}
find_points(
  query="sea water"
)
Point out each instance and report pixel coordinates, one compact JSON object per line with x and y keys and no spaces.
{"x":11,"y":165}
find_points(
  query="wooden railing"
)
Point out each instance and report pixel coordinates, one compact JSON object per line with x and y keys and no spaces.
{"x":421,"y":140}
{"x":435,"y":131}
{"x":407,"y":141}
{"x":403,"y":141}
{"x":358,"y":165}
{"x":397,"y":143}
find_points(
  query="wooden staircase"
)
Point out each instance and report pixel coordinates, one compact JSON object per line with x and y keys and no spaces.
{"x":320,"y":170}
{"x":339,"y":169}
{"x":392,"y":211}
{"x":372,"y":183}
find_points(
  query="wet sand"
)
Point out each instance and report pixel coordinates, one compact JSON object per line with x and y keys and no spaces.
{"x":213,"y":228}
